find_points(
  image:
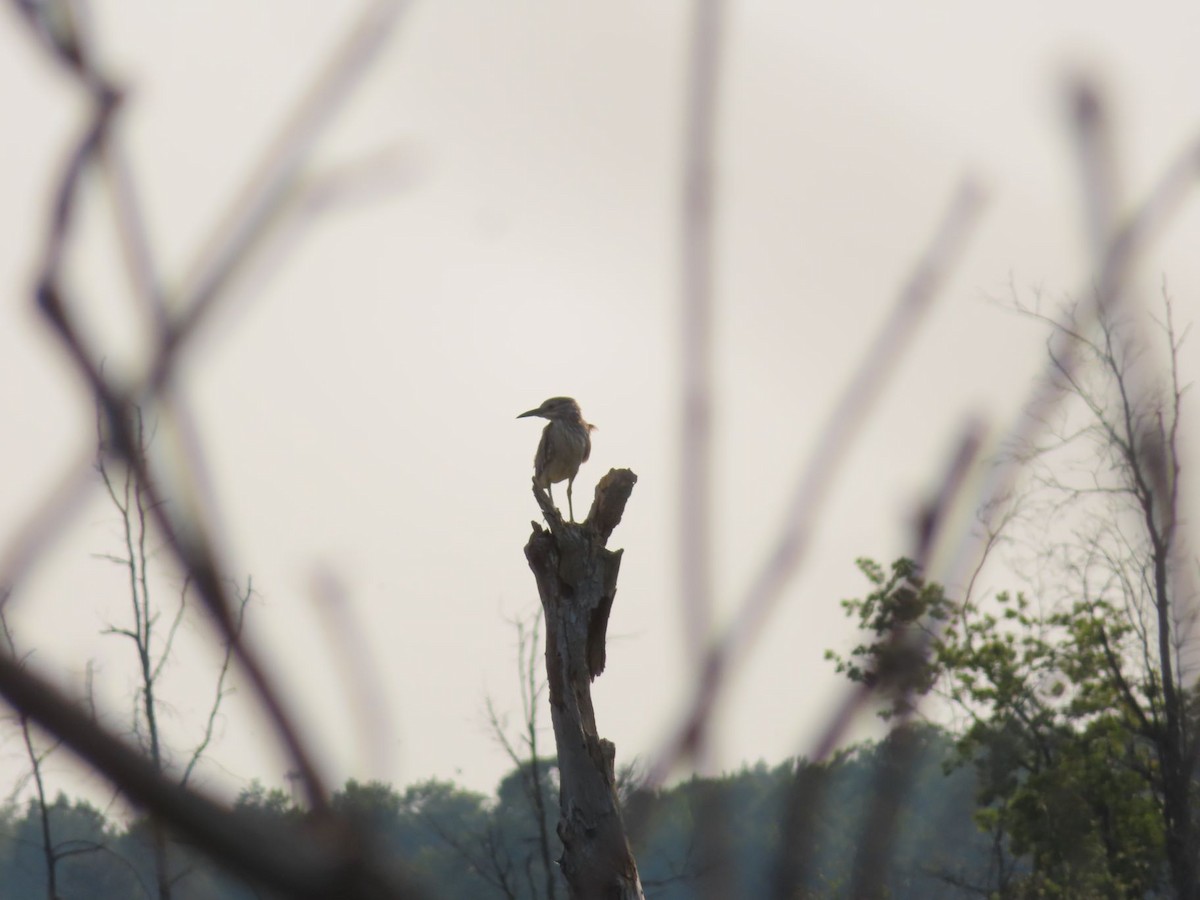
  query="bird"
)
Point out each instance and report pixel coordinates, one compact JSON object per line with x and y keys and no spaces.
{"x":565,"y":445}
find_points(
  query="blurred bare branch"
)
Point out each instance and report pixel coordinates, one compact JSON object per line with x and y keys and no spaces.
{"x":697,"y":258}
{"x":188,"y":540}
{"x":321,"y":864}
{"x":60,"y":28}
{"x":804,"y":508}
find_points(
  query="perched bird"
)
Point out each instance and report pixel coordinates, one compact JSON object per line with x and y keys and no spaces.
{"x":566,"y":444}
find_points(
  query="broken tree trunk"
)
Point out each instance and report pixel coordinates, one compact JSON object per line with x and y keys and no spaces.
{"x":577,"y":580}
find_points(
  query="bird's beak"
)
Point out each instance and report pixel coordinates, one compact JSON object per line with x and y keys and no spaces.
{"x":532,"y":412}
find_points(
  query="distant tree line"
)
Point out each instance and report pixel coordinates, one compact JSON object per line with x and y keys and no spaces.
{"x":463,"y":844}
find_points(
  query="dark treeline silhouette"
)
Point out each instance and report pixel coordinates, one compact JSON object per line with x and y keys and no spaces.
{"x":467,"y":845}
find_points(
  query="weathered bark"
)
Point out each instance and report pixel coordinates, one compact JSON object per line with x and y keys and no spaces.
{"x":577,"y":581}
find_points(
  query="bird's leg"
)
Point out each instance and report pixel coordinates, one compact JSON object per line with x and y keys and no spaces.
{"x":570,"y":508}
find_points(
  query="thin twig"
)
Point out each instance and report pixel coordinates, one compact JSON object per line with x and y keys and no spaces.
{"x":220,"y":693}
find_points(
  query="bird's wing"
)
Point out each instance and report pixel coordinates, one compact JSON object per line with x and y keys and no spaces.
{"x":545,"y":452}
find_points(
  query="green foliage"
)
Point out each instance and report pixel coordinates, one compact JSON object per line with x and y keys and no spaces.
{"x":1060,"y":757}
{"x":900,"y":618}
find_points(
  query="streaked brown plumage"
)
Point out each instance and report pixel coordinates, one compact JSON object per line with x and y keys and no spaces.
{"x":565,"y":445}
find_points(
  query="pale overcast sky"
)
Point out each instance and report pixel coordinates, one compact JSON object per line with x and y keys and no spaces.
{"x":357,"y":401}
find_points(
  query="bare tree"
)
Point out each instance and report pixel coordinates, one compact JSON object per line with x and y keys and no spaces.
{"x":1106,"y":497}
{"x":532,"y":769}
{"x":152,"y":639}
{"x":489,"y":850}
{"x":38,"y":751}
{"x":36,"y":757}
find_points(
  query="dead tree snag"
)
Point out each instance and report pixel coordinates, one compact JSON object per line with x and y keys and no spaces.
{"x":577,"y":581}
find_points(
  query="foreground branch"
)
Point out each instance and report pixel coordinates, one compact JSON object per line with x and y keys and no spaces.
{"x":577,"y":581}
